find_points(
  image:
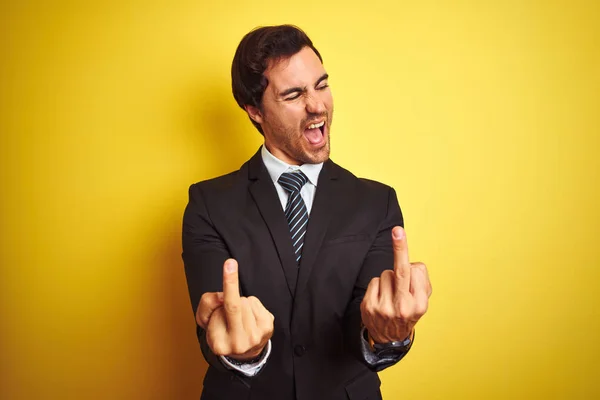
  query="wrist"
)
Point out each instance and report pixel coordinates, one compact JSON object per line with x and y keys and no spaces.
{"x":247,"y":358}
{"x":388,"y":347}
{"x":246,"y":368}
{"x":372,"y":341}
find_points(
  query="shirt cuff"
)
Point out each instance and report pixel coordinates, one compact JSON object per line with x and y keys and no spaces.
{"x":249,"y":369}
{"x":374,"y":361}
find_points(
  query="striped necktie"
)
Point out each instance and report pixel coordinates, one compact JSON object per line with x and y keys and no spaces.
{"x":295,"y":210}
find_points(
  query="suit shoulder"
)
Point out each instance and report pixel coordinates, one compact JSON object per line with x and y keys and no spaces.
{"x":370,"y":184}
{"x":220,"y":187}
{"x":374,"y":185}
{"x":365,"y":184}
{"x":222,"y":181}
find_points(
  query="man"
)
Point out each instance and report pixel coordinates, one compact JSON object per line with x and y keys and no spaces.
{"x":298,"y":271}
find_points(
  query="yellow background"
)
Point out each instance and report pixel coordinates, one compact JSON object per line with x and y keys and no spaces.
{"x":483,"y":115}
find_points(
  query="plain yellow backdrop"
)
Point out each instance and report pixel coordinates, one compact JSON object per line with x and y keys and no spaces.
{"x":483,"y":115}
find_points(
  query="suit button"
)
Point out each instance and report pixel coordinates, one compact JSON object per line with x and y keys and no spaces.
{"x":299,"y":350}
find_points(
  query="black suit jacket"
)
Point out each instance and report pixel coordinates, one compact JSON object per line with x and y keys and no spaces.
{"x":316,"y":350}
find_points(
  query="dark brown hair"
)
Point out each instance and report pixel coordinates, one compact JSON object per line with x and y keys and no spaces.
{"x":252,"y":57}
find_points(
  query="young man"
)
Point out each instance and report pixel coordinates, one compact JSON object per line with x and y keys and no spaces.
{"x":298,"y":271}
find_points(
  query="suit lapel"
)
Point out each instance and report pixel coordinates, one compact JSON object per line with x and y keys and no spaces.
{"x":320,"y":215}
{"x":265,"y":195}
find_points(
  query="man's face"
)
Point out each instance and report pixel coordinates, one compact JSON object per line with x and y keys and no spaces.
{"x":297,"y":109}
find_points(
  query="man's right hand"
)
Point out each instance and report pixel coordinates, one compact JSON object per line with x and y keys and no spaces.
{"x":236,"y":327}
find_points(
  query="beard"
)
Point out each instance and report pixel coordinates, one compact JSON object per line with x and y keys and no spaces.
{"x":292,"y":142}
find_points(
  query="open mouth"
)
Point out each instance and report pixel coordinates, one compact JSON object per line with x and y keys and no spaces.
{"x":315,"y":133}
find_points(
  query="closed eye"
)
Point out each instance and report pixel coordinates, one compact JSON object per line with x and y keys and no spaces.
{"x":294,"y":97}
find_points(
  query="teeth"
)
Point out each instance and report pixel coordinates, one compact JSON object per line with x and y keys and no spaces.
{"x":313,"y":126}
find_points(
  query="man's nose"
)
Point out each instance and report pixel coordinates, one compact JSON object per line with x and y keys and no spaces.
{"x":314,"y":105}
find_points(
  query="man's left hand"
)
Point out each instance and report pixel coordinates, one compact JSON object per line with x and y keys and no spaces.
{"x":396,"y":300}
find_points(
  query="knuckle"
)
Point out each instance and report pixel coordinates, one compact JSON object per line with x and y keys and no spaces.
{"x":388,"y":273}
{"x":269,"y":322}
{"x":404,"y":312}
{"x":210,"y":340}
{"x":238,"y":347}
{"x":219,"y":349}
{"x":265,"y":326}
{"x":204,"y":300}
{"x":258,"y":305}
{"x":232,"y":308}
{"x":201,"y":321}
{"x":268,"y":332}
{"x":421,"y":310}
{"x":363,"y":306}
{"x":422,"y":307}
{"x":217,"y":346}
{"x":419,"y":275}
{"x":405,"y":315}
{"x":373,"y":310}
{"x":255,"y":339}
{"x":367,"y":307}
{"x":386,"y":312}
{"x":403,"y":272}
{"x":235,"y":349}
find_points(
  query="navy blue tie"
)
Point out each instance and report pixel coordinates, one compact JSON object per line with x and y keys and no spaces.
{"x":295,"y":210}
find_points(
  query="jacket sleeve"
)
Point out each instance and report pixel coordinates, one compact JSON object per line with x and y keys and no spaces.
{"x":204,"y":253}
{"x":379,"y":258}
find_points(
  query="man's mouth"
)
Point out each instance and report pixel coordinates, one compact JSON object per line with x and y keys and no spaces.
{"x":315,"y":133}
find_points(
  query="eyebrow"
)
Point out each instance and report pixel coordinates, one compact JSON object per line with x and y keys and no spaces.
{"x":299,"y":89}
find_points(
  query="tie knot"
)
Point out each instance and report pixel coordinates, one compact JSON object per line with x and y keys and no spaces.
{"x":292,"y":181}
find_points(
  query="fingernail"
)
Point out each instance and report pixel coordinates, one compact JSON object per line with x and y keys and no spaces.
{"x":230,"y":267}
{"x":220,"y":296}
{"x":398,"y":233}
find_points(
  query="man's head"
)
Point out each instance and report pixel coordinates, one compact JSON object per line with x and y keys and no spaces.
{"x":278,"y":78}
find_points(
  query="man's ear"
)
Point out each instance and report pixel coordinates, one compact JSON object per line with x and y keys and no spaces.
{"x":254,"y":114}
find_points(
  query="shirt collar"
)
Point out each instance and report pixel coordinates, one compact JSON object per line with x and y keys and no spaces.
{"x":276,"y":167}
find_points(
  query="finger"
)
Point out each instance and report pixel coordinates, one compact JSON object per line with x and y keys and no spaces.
{"x":216,"y":333}
{"x":209,"y":302}
{"x":372,"y":294}
{"x":401,"y":261}
{"x":245,"y":339}
{"x":418,"y":287}
{"x":264,"y":323}
{"x":264,"y":319}
{"x":417,"y":280}
{"x":370,"y":302}
{"x":248,"y":318}
{"x":231,"y":296}
{"x":423,"y":268}
{"x":386,"y":287}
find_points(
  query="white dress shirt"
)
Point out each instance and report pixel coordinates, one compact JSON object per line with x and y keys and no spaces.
{"x":276,"y":167}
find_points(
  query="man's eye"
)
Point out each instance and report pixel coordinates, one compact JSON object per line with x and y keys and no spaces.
{"x":294,"y":97}
{"x":322,"y":87}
